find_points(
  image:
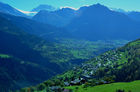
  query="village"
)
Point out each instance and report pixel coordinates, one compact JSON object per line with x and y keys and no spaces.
{"x":86,"y":71}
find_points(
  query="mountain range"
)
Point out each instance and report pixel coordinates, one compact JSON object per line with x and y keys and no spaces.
{"x":135,"y":15}
{"x":99,"y":22}
{"x":93,"y":22}
{"x":57,"y":18}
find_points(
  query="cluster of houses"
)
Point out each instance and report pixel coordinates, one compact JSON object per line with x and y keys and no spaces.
{"x":59,"y":89}
{"x":88,"y":69}
{"x":108,"y":59}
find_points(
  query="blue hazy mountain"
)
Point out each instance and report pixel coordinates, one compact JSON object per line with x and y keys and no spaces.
{"x":134,"y":15}
{"x":119,"y":10}
{"x":5,"y":8}
{"x":95,"y":22}
{"x":44,"y":7}
{"x":45,"y":31}
{"x":59,"y":17}
{"x":99,"y":22}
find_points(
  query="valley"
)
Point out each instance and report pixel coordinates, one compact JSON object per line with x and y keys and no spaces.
{"x":39,"y":54}
{"x":120,"y":65}
{"x":64,"y":49}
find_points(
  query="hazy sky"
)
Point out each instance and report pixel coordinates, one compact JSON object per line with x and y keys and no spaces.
{"x":27,"y":5}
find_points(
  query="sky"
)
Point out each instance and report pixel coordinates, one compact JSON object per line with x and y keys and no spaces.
{"x":28,"y":5}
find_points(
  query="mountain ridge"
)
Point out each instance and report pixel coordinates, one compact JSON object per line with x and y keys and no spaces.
{"x":5,"y":8}
{"x":99,"y":22}
{"x":43,"y":7}
{"x":93,"y":23}
{"x":59,"y":18}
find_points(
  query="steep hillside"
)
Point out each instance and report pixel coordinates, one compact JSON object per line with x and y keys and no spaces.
{"x":21,"y":64}
{"x":120,"y":65}
{"x":17,"y":73}
{"x":39,"y":29}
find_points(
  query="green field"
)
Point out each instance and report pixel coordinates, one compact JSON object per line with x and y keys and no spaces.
{"x":133,"y":86}
{"x":4,"y":56}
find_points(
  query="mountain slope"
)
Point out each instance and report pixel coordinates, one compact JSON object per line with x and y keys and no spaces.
{"x":99,"y":22}
{"x":5,"y":8}
{"x":95,"y":22}
{"x":59,"y":18}
{"x":39,"y":29}
{"x":62,"y":47}
{"x":34,"y":56}
{"x":134,"y":15}
{"x":126,"y":87}
{"x":21,"y":64}
{"x":120,"y":65}
{"x":16,"y":73}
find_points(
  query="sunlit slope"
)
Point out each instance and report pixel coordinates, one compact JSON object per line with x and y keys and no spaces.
{"x":127,"y":87}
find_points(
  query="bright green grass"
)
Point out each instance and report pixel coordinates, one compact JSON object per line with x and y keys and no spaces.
{"x":133,"y":86}
{"x":4,"y":56}
{"x":134,"y":43}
